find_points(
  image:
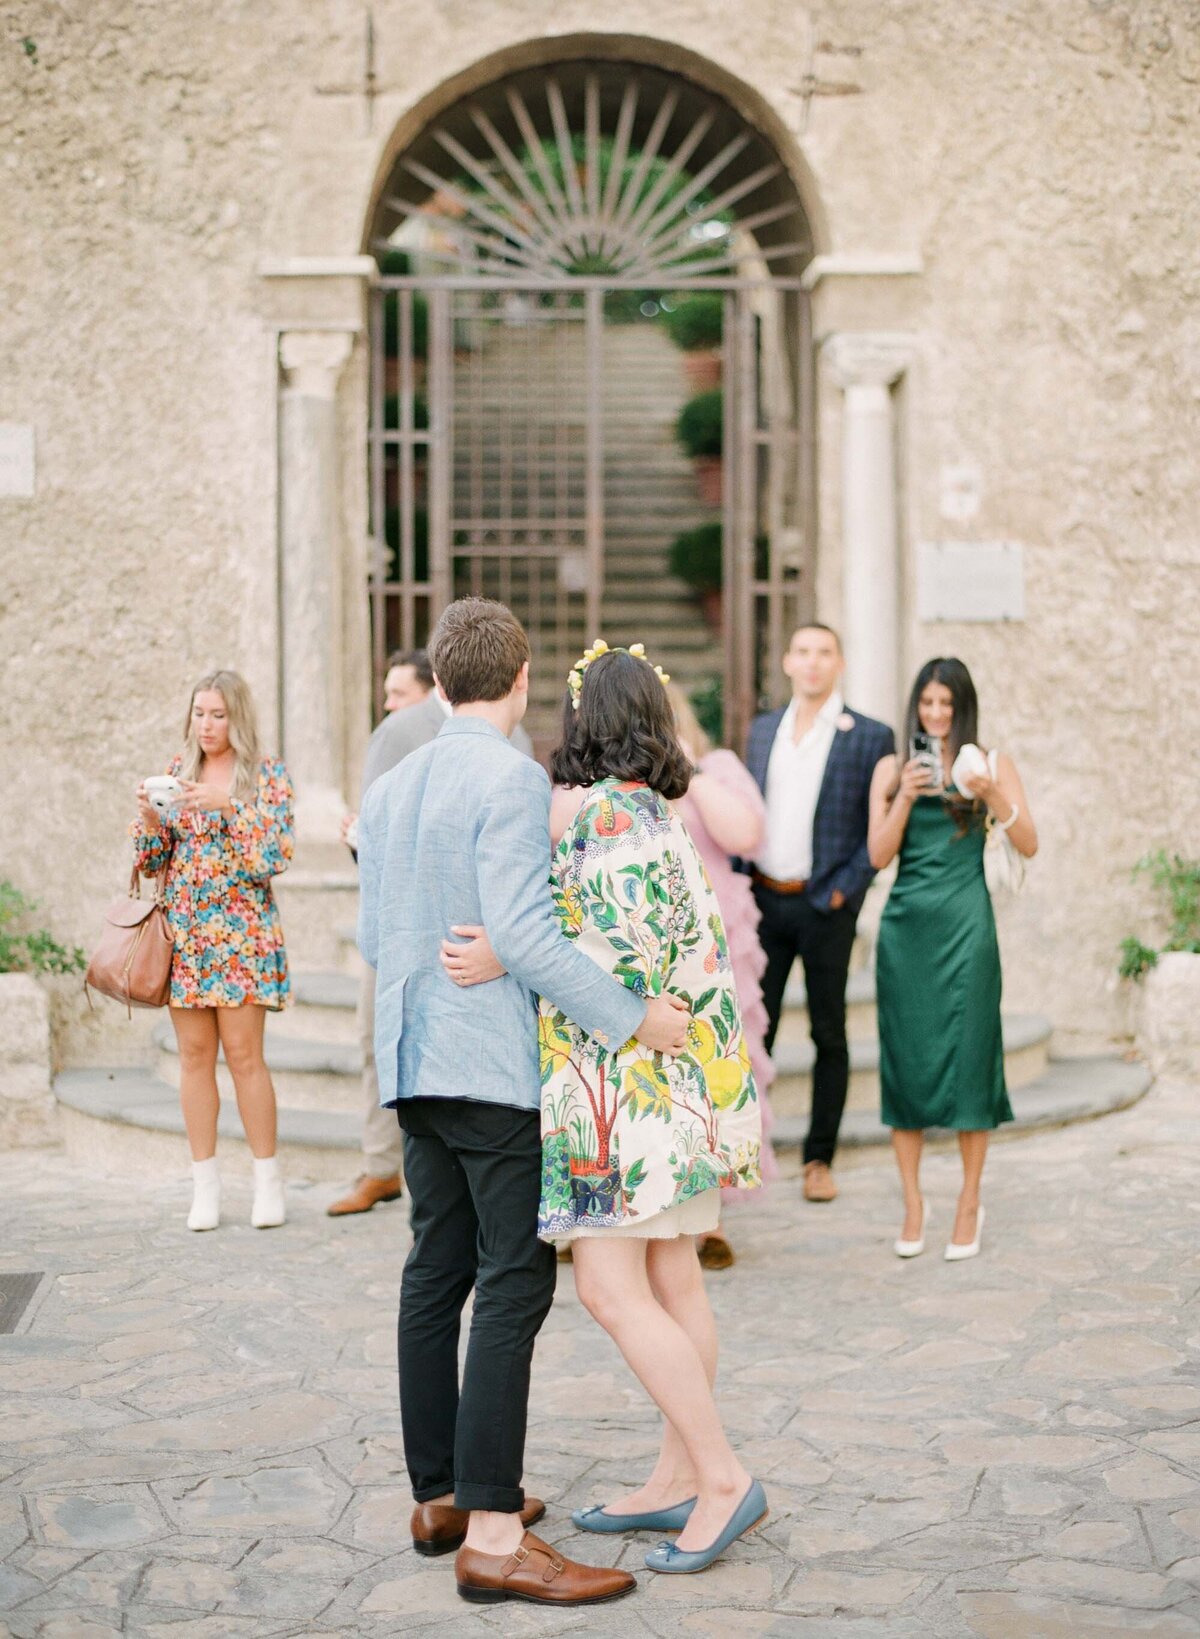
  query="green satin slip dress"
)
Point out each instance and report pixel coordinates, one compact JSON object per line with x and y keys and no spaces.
{"x":941,"y":1052}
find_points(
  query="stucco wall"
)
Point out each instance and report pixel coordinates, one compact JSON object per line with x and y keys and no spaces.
{"x":1040,"y":162}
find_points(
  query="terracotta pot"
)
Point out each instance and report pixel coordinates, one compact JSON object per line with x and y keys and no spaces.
{"x":703,"y":370}
{"x":708,"y":478}
{"x":712,"y":607}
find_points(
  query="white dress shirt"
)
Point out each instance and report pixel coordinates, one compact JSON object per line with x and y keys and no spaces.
{"x":794,"y":776}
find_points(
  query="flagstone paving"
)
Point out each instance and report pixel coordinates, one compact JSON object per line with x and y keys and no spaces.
{"x":199,"y":1434}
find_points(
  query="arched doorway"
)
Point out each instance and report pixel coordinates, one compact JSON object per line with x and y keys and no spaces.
{"x":566,"y":253}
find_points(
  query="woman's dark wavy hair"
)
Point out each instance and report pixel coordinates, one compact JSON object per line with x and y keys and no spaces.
{"x":623,"y":730}
{"x":964,"y":726}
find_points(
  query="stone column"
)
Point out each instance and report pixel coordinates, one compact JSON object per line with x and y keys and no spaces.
{"x":311,"y":575}
{"x":866,"y":368}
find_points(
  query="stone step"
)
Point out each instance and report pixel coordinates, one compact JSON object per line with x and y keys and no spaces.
{"x":860,"y":1009}
{"x":128,"y":1122}
{"x":1026,"y":1052}
{"x":311,"y":905}
{"x":308,"y":1074}
{"x":324,"y":1007}
{"x":1068,"y":1090}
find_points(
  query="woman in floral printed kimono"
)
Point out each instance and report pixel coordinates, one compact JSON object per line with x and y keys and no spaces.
{"x":635,"y":1149}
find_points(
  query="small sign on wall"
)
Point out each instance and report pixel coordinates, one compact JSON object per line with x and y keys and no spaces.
{"x":970,"y":580}
{"x":16,"y":459}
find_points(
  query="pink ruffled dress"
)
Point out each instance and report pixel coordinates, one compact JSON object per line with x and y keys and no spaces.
{"x":739,"y":912}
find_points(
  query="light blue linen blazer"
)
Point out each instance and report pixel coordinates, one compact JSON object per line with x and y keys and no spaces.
{"x":459,"y":832}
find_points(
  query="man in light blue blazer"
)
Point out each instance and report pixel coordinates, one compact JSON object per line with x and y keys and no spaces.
{"x":458,"y":833}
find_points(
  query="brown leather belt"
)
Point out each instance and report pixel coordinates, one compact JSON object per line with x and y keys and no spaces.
{"x":775,"y":885}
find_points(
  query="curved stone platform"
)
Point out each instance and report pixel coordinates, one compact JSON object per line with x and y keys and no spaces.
{"x":129,"y":1121}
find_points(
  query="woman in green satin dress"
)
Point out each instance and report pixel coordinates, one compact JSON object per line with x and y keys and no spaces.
{"x":938,"y":963}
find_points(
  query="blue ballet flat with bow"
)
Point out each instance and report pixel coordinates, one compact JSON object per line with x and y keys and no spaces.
{"x":662,"y":1519}
{"x":751,"y":1511}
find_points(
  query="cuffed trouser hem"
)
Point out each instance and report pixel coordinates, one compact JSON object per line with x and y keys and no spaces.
{"x":431,"y":1493}
{"x":497,"y":1499}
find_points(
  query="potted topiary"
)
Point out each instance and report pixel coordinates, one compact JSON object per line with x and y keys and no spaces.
{"x":695,"y":324}
{"x":697,"y":558}
{"x":700,"y":428}
{"x":1170,"y":1021}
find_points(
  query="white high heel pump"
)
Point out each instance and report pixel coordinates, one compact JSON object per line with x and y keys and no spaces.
{"x":955,"y":1254}
{"x":913,"y":1249}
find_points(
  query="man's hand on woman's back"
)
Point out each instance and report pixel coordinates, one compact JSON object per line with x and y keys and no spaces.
{"x":665,"y":1026}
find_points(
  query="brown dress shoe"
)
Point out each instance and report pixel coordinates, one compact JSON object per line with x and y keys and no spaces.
{"x":536,"y":1572}
{"x":818,"y":1182}
{"x":439,"y":1529}
{"x":367,"y":1192}
{"x":715,"y":1252}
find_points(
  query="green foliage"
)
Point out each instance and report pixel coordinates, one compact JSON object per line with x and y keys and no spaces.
{"x":391,"y":412}
{"x":420,"y":543}
{"x":696,"y":557}
{"x":701,"y":424}
{"x":1136,"y":958}
{"x":31,"y":950}
{"x":395,"y":262}
{"x":696,"y":322}
{"x":1178,"y":881}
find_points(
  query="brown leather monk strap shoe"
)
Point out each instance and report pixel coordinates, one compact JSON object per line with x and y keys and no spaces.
{"x":818,"y":1182}
{"x":439,"y":1529}
{"x":367,"y":1192}
{"x":536,"y":1572}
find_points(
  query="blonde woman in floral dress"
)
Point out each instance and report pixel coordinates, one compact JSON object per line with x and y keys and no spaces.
{"x":636,"y":1148}
{"x":220,"y":844}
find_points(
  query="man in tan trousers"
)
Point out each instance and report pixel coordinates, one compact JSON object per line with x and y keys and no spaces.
{"x":401,"y":732}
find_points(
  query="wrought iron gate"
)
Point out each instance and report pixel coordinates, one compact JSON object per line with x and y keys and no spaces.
{"x":573,"y":199}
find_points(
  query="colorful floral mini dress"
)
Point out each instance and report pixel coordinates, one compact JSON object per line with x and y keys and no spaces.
{"x":627,"y":1135}
{"x":228,"y":938}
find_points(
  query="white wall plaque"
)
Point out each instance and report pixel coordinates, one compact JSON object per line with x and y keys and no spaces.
{"x":16,"y":459}
{"x":970,"y":580}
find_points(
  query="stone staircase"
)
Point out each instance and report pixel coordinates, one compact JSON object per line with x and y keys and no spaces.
{"x":128,"y":1120}
{"x":649,"y":490}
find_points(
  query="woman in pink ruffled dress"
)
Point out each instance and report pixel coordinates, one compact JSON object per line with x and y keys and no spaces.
{"x":724,"y":814}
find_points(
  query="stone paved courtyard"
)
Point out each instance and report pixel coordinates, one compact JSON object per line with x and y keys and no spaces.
{"x":198,"y":1434}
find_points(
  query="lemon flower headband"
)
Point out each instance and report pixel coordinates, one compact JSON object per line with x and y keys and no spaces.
{"x":599,"y":647}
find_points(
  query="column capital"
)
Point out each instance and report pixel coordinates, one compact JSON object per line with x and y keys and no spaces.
{"x":312,"y":360}
{"x":868,"y":358}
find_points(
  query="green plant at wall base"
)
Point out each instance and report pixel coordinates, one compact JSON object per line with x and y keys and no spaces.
{"x":1178,"y":880}
{"x":697,"y":322}
{"x":701,"y":424}
{"x":31,"y":950}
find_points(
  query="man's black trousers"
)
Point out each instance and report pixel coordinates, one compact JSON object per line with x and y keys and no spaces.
{"x":793,"y":927}
{"x":473,"y":1172}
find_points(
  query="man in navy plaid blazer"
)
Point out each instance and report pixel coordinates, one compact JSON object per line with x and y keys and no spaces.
{"x":813,"y":760}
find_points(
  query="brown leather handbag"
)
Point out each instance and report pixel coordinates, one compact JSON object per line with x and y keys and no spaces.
{"x":132,"y":961}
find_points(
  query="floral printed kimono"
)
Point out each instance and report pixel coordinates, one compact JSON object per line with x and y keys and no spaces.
{"x":228,"y":940}
{"x":627,"y":1135}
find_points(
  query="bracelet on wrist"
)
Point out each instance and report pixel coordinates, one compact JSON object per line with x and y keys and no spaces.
{"x":1007,"y":825}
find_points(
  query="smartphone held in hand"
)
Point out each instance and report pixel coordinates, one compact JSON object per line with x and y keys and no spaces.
{"x":927,"y":749}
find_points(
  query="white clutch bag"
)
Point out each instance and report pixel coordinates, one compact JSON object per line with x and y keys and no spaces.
{"x":1003,"y":866}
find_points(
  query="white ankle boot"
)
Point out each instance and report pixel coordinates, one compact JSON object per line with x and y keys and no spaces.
{"x":268,"y":1211}
{"x":206,"y":1195}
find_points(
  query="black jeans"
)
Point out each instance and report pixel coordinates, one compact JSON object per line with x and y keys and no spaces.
{"x":474,"y":1175}
{"x":793,"y":927}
